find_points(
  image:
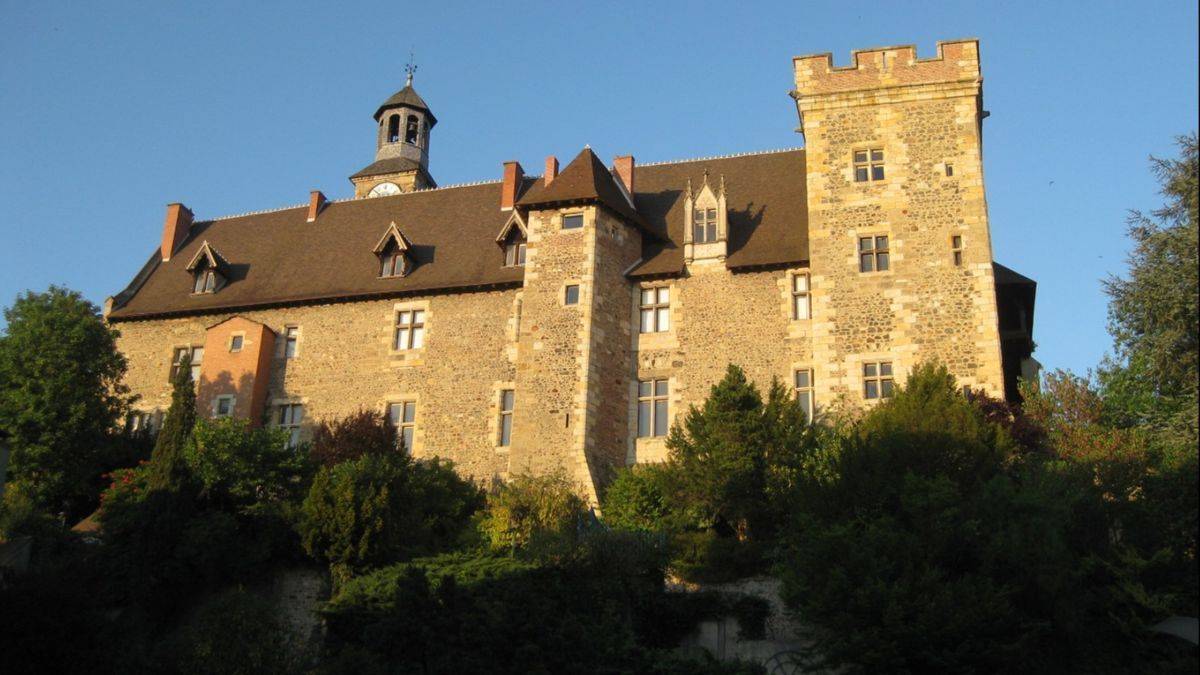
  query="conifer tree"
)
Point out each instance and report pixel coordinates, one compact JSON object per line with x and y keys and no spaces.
{"x":167,"y":467}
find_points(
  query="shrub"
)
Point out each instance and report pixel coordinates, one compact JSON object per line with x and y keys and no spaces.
{"x":707,"y":557}
{"x":21,"y":516}
{"x":234,"y":632}
{"x":168,"y":470}
{"x":351,"y":437}
{"x":533,"y":510}
{"x":638,"y":499}
{"x":383,"y":508}
{"x":242,"y":467}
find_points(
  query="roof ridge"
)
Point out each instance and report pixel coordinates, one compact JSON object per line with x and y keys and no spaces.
{"x":254,"y":213}
{"x":751,"y":153}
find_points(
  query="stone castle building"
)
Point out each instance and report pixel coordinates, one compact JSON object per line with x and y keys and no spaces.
{"x":563,"y":321}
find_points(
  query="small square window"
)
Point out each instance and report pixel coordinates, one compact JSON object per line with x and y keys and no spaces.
{"x":571,"y":295}
{"x":873,"y":254}
{"x":949,"y":169}
{"x":656,"y":310}
{"x":652,"y":419}
{"x":956,"y":248}
{"x":235,"y":343}
{"x":572,"y":221}
{"x":868,"y":165}
{"x":223,"y":406}
{"x":877,"y":380}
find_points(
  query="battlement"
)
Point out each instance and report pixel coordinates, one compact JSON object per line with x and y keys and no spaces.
{"x":880,"y":67}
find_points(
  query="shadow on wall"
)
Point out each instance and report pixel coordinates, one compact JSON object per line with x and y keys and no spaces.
{"x":243,"y":404}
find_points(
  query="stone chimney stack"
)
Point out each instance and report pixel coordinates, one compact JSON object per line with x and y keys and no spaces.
{"x":315,"y":204}
{"x":551,"y":170}
{"x":513,"y":175}
{"x":175,"y":228}
{"x":623,"y":167}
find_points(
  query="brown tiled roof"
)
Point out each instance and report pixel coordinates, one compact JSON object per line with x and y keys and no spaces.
{"x":390,"y":165}
{"x":584,"y":179}
{"x":278,"y":258}
{"x":406,"y":97}
{"x":767,"y":201}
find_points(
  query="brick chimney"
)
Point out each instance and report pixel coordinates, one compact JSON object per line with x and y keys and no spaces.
{"x":623,"y":167}
{"x":175,"y":228}
{"x":315,"y":204}
{"x":513,"y":174}
{"x":551,"y":170}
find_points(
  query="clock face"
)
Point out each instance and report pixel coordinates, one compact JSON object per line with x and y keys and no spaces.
{"x":384,"y":190}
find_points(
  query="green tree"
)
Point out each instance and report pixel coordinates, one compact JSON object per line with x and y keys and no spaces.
{"x":168,"y":469}
{"x":61,"y":397}
{"x":717,"y":455}
{"x":1153,"y":313}
{"x":535,"y":512}
{"x":350,"y":437}
{"x":383,"y":508}
{"x":244,"y":468}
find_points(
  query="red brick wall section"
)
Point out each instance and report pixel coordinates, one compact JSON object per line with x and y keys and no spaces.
{"x":244,"y":373}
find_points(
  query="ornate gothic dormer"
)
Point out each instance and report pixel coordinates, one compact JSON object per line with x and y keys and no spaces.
{"x":706,"y":229}
{"x":401,"y":146}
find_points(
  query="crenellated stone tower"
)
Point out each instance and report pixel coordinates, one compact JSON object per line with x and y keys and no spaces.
{"x":901,"y":256}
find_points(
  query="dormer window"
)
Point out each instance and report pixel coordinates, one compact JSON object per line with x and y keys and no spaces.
{"x":704,"y":225}
{"x":392,"y":262}
{"x":705,"y":228}
{"x":392,"y":250}
{"x":514,"y":252}
{"x":512,"y":239}
{"x":208,"y":270}
{"x":206,"y":281}
{"x":393,"y":131}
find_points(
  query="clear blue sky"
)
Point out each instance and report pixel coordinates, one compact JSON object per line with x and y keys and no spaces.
{"x":108,"y":111}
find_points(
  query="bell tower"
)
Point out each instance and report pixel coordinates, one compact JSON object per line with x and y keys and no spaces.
{"x":403,"y":123}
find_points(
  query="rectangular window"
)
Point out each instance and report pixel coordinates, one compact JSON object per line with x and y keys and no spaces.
{"x":873,"y":254}
{"x":877,"y":380}
{"x":949,"y":169}
{"x":235,"y":343}
{"x":410,"y":330}
{"x":572,"y":221}
{"x":140,"y":422}
{"x":956,"y":246}
{"x":223,"y":406}
{"x":571,"y":295}
{"x":291,"y":340}
{"x":197,"y":354}
{"x":804,"y":391}
{"x":403,"y":416}
{"x":206,"y":281}
{"x":289,"y":417}
{"x":656,"y":309}
{"x":514,"y":254}
{"x":652,"y":408}
{"x":392,"y":264}
{"x":704,"y":225}
{"x":868,"y":165}
{"x":801,"y":298}
{"x":506,"y":417}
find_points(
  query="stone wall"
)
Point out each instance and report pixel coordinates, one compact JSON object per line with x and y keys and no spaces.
{"x":925,"y":115}
{"x":344,"y":362}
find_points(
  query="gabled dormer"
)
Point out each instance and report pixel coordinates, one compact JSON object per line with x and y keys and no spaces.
{"x":512,"y":239}
{"x":706,"y":227}
{"x":393,"y":250}
{"x":209,"y":270}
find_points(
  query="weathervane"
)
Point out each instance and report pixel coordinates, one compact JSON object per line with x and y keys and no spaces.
{"x":410,"y":69}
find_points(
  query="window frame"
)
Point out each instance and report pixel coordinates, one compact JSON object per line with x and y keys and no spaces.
{"x":515,"y":251}
{"x":205,"y":281}
{"x":413,"y":331}
{"x":884,"y":383}
{"x":874,"y":253}
{"x":654,"y":397}
{"x":292,"y":423}
{"x":956,"y":250}
{"x":403,"y":422}
{"x":705,"y":223}
{"x":567,"y":301}
{"x":392,"y":263}
{"x":572,"y":217}
{"x":290,"y":345}
{"x":216,"y":408}
{"x":237,"y":342}
{"x":801,"y":295}
{"x":176,"y":358}
{"x":871,"y":167}
{"x":805,"y":393}
{"x":506,"y":403}
{"x":658,"y":310}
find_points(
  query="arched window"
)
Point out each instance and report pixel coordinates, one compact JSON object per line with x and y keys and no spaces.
{"x":393,"y":133}
{"x":411,"y":129}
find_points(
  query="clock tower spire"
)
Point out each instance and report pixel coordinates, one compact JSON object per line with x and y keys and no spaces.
{"x":401,"y":144}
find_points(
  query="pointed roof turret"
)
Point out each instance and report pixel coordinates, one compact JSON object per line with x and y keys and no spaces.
{"x":406,"y":98}
{"x":585,"y":179}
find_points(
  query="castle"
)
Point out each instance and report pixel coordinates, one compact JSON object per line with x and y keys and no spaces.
{"x":561,"y":322}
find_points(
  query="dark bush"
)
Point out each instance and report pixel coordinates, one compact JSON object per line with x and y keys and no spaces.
{"x":351,"y":437}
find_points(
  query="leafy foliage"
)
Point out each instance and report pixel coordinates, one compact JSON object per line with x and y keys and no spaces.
{"x":638,"y":499}
{"x":234,"y":632}
{"x":346,"y":438}
{"x":243,"y":467}
{"x":61,"y":396}
{"x":382,"y":508}
{"x":168,"y":470}
{"x":532,"y":510}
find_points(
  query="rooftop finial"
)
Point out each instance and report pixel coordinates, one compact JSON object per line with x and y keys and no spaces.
{"x":410,"y":69}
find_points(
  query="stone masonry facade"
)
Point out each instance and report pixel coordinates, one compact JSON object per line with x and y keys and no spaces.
{"x":567,"y":336}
